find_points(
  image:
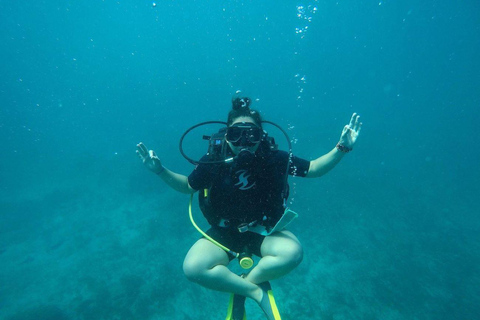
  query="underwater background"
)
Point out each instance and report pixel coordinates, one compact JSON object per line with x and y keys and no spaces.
{"x":87,"y":232}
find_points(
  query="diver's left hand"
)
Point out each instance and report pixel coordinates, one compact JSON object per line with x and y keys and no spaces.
{"x":351,"y":131}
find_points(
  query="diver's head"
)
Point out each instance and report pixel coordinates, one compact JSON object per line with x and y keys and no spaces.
{"x":244,"y":135}
{"x":244,"y":132}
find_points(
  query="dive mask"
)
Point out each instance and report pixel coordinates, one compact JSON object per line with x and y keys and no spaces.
{"x":243,"y":134}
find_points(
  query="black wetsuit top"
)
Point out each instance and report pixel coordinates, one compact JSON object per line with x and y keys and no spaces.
{"x":246,"y":193}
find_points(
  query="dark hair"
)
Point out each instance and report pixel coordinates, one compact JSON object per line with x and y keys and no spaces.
{"x":241,"y":108}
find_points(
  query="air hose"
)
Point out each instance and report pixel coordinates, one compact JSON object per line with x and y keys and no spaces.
{"x":245,"y":261}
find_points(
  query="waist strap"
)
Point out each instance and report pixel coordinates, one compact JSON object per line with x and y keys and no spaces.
{"x":287,"y":217}
{"x":238,"y":225}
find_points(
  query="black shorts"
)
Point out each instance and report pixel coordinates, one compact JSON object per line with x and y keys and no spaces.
{"x":236,"y":241}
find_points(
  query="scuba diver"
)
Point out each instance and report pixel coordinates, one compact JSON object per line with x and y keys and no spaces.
{"x":243,"y":191}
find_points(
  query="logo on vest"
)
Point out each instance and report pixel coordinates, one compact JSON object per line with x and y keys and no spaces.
{"x":243,"y":182}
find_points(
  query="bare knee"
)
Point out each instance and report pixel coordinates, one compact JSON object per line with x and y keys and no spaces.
{"x":201,"y":258}
{"x":294,"y":255}
{"x":192,"y":269}
{"x":286,"y":247}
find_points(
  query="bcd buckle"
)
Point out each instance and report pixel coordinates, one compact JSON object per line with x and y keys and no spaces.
{"x":243,"y":227}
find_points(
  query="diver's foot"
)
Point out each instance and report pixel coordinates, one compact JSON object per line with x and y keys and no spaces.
{"x":267,"y":303}
{"x":236,"y":308}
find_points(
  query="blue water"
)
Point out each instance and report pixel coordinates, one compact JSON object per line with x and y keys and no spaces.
{"x":86,"y":232}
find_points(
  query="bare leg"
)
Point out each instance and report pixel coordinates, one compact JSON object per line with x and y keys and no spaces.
{"x":206,"y":264}
{"x":281,"y":252}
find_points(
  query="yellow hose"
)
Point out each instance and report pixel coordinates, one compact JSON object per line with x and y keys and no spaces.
{"x":206,"y":235}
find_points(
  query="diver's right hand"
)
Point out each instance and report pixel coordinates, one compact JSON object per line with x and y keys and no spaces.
{"x":150,"y":159}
